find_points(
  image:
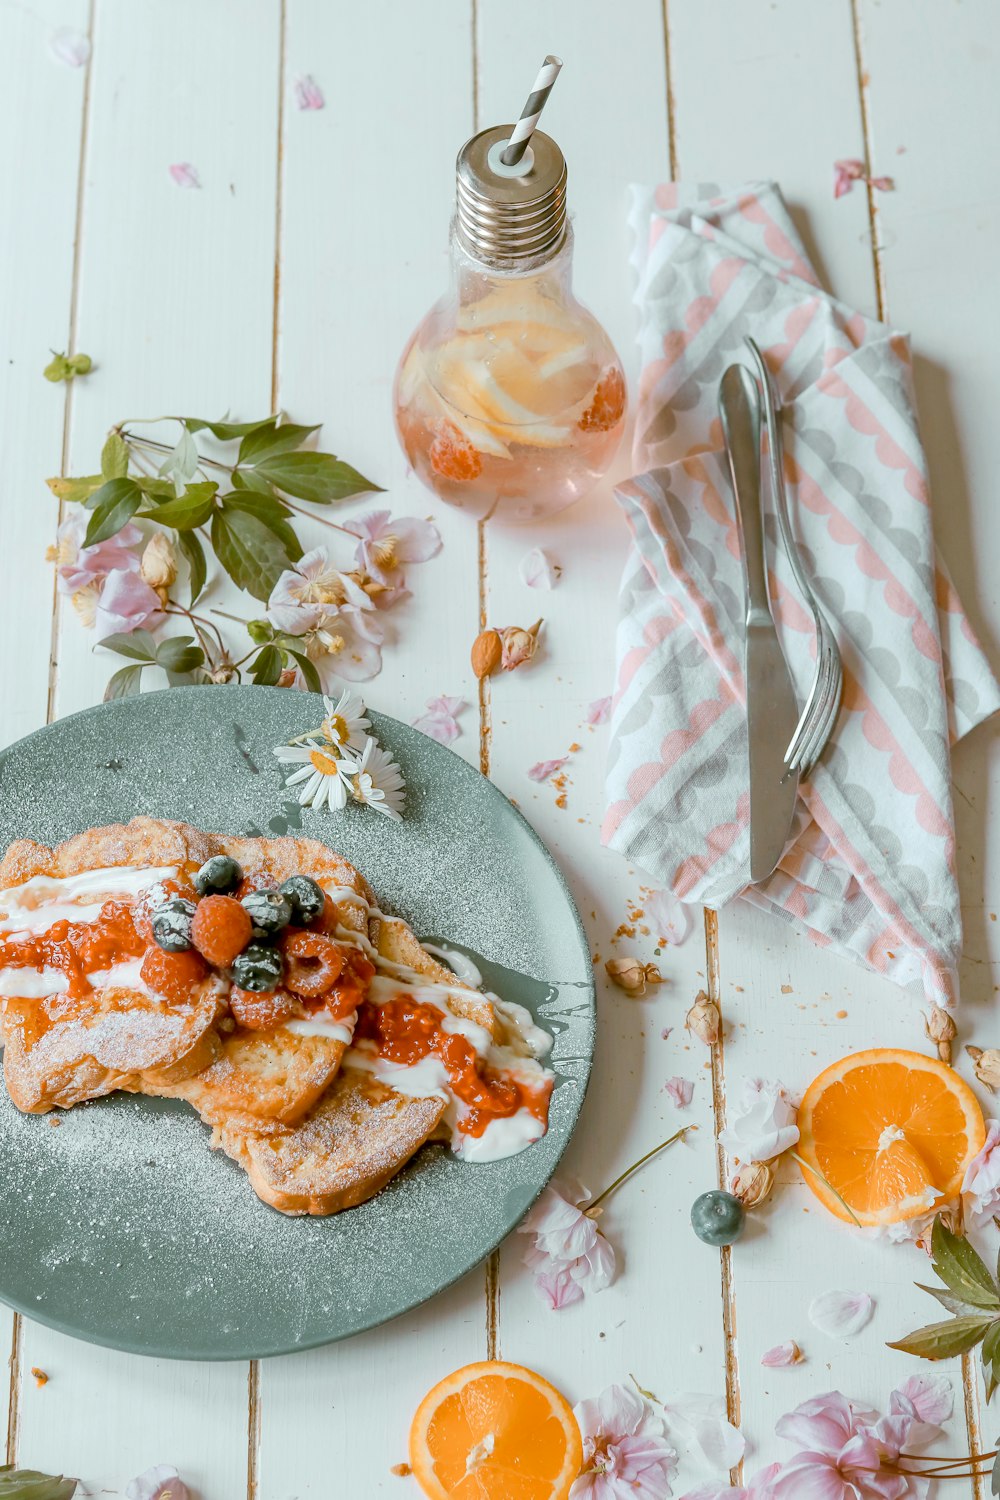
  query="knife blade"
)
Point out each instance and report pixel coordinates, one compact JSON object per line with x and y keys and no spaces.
{"x":772,"y":709}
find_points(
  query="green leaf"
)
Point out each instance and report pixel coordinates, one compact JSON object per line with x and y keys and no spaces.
{"x":251,"y":553}
{"x":179,"y":654}
{"x":226,"y":432}
{"x":138,"y":644}
{"x":995,"y":1476}
{"x":31,"y":1484}
{"x":114,"y":457}
{"x":272,"y":513}
{"x":81,"y":364}
{"x":990,"y":1356}
{"x":192,"y":549}
{"x":267,"y":666}
{"x":187,"y":511}
{"x":268,"y":442}
{"x":961,"y":1269}
{"x":950,"y":1301}
{"x":942,"y":1340}
{"x":260,"y":631}
{"x":309,"y":671}
{"x":58,"y":368}
{"x":114,"y":504}
{"x":249,"y":479}
{"x":319,"y":477}
{"x":75,"y":490}
{"x":156,"y":489}
{"x":125,"y":682}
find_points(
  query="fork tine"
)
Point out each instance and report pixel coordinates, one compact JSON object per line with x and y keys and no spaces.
{"x":825,"y":726}
{"x":827,"y":686}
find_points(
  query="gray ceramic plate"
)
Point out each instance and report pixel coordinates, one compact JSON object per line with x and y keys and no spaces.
{"x":120,"y":1226}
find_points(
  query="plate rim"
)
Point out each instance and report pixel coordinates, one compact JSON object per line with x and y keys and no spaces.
{"x":582,"y":1080}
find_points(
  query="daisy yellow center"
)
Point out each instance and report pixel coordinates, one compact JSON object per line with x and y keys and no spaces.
{"x":337,"y":730}
{"x":323,"y":763}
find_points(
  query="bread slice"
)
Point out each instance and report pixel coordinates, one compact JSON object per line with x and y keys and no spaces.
{"x":60,"y":1051}
{"x":361,"y":1132}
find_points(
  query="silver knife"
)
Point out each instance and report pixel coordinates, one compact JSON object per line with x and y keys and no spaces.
{"x":772,"y":710}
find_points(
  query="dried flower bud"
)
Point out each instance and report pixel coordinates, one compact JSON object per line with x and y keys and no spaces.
{"x":487,"y":652}
{"x":753,"y":1183}
{"x":986,"y":1065}
{"x":159,"y":565}
{"x":223,"y":673}
{"x":940,"y":1027}
{"x":632,"y":975}
{"x":704,"y":1020}
{"x":287,"y":677}
{"x":518,"y":645}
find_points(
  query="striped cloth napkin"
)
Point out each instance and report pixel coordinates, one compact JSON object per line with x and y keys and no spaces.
{"x":871,"y":869}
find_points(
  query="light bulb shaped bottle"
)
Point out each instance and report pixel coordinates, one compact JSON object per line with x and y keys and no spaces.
{"x":509,"y":396}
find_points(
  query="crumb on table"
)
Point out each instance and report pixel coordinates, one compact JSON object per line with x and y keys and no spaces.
{"x":40,"y":1376}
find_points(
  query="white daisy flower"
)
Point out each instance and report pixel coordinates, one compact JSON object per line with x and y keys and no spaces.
{"x":375,"y":780}
{"x":324,"y":783}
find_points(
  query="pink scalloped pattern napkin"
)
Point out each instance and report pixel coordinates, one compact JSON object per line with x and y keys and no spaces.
{"x":871,"y":870}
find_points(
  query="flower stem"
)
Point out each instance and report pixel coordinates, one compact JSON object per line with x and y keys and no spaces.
{"x":151,"y":443}
{"x":816,"y":1173}
{"x":589,"y":1210}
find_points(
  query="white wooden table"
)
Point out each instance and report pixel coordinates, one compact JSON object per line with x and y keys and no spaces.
{"x":291,"y":278}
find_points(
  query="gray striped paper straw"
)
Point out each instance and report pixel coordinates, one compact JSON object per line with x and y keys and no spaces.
{"x":534,"y":104}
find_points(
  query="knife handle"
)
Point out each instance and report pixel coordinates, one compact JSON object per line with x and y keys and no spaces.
{"x":739,"y":411}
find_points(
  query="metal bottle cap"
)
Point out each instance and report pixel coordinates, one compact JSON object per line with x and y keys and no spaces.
{"x":508,"y":215}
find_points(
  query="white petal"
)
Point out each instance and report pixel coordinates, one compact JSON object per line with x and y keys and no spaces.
{"x":680,"y":1091}
{"x":930,"y":1396}
{"x":840,"y":1315}
{"x":699,"y":1424}
{"x":538,"y":570}
{"x":70,"y":47}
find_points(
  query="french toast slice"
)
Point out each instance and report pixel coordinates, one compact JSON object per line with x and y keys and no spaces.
{"x":60,"y":1050}
{"x":361,"y":1132}
{"x":265,"y":1080}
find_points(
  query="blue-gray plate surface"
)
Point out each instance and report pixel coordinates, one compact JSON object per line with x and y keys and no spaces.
{"x":121,"y":1226}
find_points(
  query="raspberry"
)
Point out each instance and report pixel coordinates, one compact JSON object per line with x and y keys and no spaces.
{"x":261,"y":1012}
{"x":453,"y":456}
{"x":221,"y":928}
{"x":313,"y":964}
{"x":172,"y":974}
{"x":608,"y":406}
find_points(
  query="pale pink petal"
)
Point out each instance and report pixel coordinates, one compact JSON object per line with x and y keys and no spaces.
{"x":670,"y":919}
{"x":184,"y":174}
{"x":883,"y":184}
{"x":157,"y":1483}
{"x":666,"y":1032}
{"x":781,"y":1356}
{"x":416,"y":540}
{"x":824,"y":1423}
{"x":538,"y":570}
{"x":680,"y":1090}
{"x":444,"y":705}
{"x":543,"y":769}
{"x":558,"y":1289}
{"x":841,"y":1315}
{"x":810,"y":1476}
{"x":981,"y":1184}
{"x":439,"y":723}
{"x":308,"y":94}
{"x":126,"y":604}
{"x":702,"y":1430}
{"x":599,"y":711}
{"x":70,"y":47}
{"x":930,"y":1398}
{"x":595,"y":1269}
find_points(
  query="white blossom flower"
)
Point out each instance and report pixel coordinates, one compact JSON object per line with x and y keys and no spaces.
{"x":625,"y":1452}
{"x":981,"y":1184}
{"x":568,"y":1254}
{"x":375,"y":780}
{"x":386,"y":541}
{"x":763,"y":1124}
{"x":161,"y":1482}
{"x":305,"y":594}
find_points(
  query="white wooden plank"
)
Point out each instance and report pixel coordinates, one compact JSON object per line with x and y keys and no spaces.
{"x":175,"y":295}
{"x":41,"y":109}
{"x":539,"y":711}
{"x":363,"y":256}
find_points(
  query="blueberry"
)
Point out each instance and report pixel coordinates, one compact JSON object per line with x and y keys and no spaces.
{"x":171,"y":924}
{"x":308,"y":899}
{"x":218,"y":876}
{"x":258,"y":968}
{"x":717,"y":1218}
{"x":269,"y":911}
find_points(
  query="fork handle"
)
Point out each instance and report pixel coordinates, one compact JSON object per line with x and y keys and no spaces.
{"x":739,"y":412}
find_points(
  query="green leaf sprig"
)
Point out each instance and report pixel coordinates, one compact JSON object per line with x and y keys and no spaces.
{"x":30,"y":1484}
{"x":241,"y":511}
{"x":971,"y":1295}
{"x":60,"y":367}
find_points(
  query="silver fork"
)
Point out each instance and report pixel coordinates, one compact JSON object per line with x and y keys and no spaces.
{"x":823,"y":704}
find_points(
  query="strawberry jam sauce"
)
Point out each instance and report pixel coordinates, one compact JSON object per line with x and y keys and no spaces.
{"x":77,"y":949}
{"x":404,"y":1031}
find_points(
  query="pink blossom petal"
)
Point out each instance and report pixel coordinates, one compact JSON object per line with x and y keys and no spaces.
{"x":701,"y":1428}
{"x":70,"y":46}
{"x":680,"y":1090}
{"x":670,"y":919}
{"x":781,"y":1356}
{"x":543,"y":769}
{"x":308,"y":94}
{"x":538,"y":570}
{"x":666,"y":1032}
{"x":841,"y":1315}
{"x":558,"y":1289}
{"x":443,"y":705}
{"x":883,"y":184}
{"x":440,"y":722}
{"x":599,"y":711}
{"x":930,"y":1398}
{"x":184,"y":174}
{"x":157,"y":1483}
{"x":126,"y":603}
